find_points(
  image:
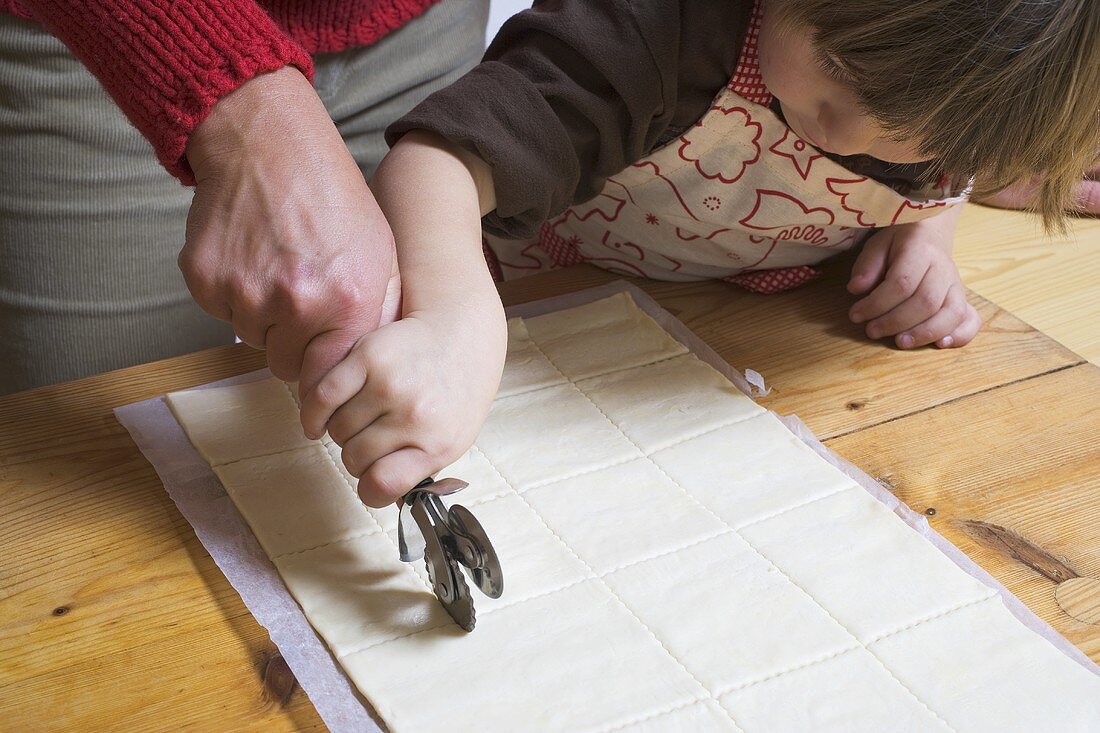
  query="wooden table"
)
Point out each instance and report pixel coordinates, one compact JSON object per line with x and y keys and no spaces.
{"x":113,"y":616}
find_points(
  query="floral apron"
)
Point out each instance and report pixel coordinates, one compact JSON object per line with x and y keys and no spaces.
{"x":737,"y":197}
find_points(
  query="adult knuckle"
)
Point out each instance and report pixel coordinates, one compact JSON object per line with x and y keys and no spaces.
{"x":347,"y":295}
{"x":294,"y":289}
{"x":196,"y":270}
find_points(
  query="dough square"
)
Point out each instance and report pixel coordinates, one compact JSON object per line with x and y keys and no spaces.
{"x":982,"y":670}
{"x":849,"y":693}
{"x":525,"y":367}
{"x":358,"y":593}
{"x":474,"y":468}
{"x":294,"y":500}
{"x":622,"y":514}
{"x":245,"y":420}
{"x":660,"y":404}
{"x":534,"y":561}
{"x":705,"y":716}
{"x":726,"y":614}
{"x":603,"y":336}
{"x":750,"y":470}
{"x":861,"y":562}
{"x":559,"y":662}
{"x":538,"y":437}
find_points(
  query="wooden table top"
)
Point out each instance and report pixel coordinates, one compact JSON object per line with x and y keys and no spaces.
{"x":113,"y":616}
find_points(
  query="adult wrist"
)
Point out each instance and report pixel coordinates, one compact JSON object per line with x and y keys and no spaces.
{"x":249,"y":115}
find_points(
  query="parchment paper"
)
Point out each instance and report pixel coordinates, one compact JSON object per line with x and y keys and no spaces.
{"x":226,"y":536}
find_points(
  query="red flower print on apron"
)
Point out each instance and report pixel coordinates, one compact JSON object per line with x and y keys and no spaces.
{"x":737,"y":197}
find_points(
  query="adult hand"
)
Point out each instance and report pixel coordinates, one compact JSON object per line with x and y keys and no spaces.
{"x":284,"y":239}
{"x":1020,"y":195}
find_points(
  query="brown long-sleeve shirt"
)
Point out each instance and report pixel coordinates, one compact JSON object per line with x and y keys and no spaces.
{"x":573,"y":91}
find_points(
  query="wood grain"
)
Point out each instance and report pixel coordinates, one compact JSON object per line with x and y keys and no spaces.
{"x":1023,"y":456}
{"x":819,"y":365}
{"x":113,"y":617}
{"x":1080,"y":598}
{"x":1051,"y":282}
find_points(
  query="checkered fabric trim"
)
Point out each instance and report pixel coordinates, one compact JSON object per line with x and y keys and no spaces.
{"x":563,"y":252}
{"x":746,"y":80}
{"x":779,"y":280}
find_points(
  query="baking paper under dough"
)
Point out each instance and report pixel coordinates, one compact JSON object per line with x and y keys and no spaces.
{"x":675,"y":560}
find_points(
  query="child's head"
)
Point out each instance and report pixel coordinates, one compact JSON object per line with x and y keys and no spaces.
{"x":1001,"y":90}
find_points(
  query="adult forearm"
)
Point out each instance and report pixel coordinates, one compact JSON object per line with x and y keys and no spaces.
{"x":166,"y":63}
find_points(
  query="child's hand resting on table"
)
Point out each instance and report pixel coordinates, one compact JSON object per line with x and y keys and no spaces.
{"x":911,"y":287}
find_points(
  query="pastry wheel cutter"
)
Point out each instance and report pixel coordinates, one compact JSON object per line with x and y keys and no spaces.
{"x":449,"y":539}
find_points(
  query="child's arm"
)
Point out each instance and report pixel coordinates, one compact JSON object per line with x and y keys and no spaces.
{"x":1021,"y":195}
{"x":911,"y":286}
{"x":412,"y":396}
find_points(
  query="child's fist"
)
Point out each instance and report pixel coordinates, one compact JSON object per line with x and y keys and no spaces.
{"x":408,"y":399}
{"x":912,"y":288}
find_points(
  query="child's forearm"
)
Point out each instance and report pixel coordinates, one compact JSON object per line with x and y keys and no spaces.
{"x":434,"y":195}
{"x":942,"y":227}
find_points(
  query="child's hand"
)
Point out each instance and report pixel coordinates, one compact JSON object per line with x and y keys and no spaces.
{"x":411,"y":397}
{"x":912,"y":288}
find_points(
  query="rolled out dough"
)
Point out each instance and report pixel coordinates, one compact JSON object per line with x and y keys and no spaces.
{"x":675,"y":560}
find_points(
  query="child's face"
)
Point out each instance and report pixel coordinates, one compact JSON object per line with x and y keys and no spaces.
{"x":818,"y":103}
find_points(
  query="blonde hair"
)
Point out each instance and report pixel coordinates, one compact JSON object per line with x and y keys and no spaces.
{"x":998,"y":90}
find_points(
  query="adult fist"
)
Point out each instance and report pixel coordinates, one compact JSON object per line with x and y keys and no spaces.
{"x":284,"y":239}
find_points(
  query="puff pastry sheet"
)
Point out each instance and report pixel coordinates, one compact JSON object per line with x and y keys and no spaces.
{"x":675,"y":560}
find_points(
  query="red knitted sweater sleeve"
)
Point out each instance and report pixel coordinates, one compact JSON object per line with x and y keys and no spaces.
{"x":167,"y":62}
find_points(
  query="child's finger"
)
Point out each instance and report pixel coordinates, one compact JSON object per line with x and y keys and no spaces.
{"x":393,"y":475}
{"x":965,"y":332}
{"x":944,"y":322}
{"x":371,"y":444}
{"x":337,"y":387}
{"x":917,"y":309}
{"x":870,"y":265}
{"x":902,"y":278}
{"x":352,"y":417}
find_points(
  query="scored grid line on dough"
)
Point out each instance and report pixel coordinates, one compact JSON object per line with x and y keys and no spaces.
{"x":932,"y":617}
{"x":612,"y":464}
{"x":820,"y":659}
{"x":374,"y":519}
{"x":733,"y":526}
{"x":615,"y":595}
{"x":799,"y":505}
{"x":597,"y":375}
{"x":373,"y":531}
{"x":603,"y":582}
{"x":754,"y":548}
{"x":650,"y":716}
{"x":664,"y":553}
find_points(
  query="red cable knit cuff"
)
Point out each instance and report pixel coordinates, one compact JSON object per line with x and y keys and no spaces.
{"x":167,"y":62}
